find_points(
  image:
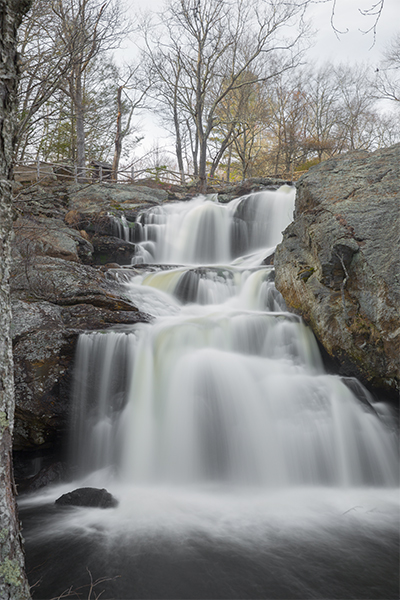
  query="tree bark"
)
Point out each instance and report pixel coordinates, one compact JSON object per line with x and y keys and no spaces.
{"x":118,"y":136}
{"x":13,"y":582}
{"x":80,"y":127}
{"x":178,"y":145}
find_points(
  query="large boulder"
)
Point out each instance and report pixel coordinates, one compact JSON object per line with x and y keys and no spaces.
{"x":338,"y":265}
{"x":90,"y":497}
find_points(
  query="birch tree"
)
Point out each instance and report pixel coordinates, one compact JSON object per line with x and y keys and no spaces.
{"x":13,"y":582}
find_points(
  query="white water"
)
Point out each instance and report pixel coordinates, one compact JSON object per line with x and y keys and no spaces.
{"x":225,"y":386}
{"x":205,"y":232}
{"x":217,"y":421}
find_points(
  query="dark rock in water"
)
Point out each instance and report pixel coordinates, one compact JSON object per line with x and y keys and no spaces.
{"x":187,"y":287}
{"x":338,"y":265}
{"x":92,"y":497}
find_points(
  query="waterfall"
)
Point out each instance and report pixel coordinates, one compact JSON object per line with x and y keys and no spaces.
{"x":225,"y":385}
{"x":205,"y":232}
{"x":242,"y":469}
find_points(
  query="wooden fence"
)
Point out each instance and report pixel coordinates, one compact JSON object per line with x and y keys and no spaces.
{"x":43,"y":172}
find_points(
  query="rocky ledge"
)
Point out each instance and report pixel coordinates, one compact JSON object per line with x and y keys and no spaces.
{"x":338,"y":265}
{"x":61,"y":286}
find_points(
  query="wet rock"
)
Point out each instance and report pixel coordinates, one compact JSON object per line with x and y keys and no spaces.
{"x":269,"y":260}
{"x":112,"y":249}
{"x":90,"y":497}
{"x":339,"y":263}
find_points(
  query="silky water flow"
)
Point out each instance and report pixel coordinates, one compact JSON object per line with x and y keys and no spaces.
{"x":242,"y":469}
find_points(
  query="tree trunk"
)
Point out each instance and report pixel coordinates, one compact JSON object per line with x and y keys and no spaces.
{"x":224,"y":145}
{"x":80,"y":127}
{"x":118,"y":137}
{"x":203,"y":166}
{"x":228,"y":167}
{"x":13,"y":582}
{"x":178,"y":145}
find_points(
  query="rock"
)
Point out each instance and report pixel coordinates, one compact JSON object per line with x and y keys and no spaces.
{"x":91,"y":497}
{"x":55,"y":473}
{"x":65,"y":283}
{"x":338,"y":265}
{"x":113,"y":197}
{"x":253,"y":184}
{"x":91,"y":223}
{"x":43,"y":236}
{"x":107,"y":249}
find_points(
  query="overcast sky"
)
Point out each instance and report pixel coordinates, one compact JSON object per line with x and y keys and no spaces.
{"x":352,"y":46}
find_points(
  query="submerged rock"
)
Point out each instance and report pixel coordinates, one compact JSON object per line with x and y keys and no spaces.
{"x":338,"y":265}
{"x":91,"y":497}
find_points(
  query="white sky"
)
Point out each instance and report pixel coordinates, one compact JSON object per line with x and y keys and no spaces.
{"x":353,"y":46}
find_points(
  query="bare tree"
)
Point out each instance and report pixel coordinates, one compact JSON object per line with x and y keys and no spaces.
{"x":60,"y":44}
{"x":165,"y":71}
{"x":242,"y":117}
{"x":323,"y":111}
{"x":44,"y":65}
{"x":387,"y":76}
{"x":357,"y":113}
{"x":288,"y":106}
{"x":211,"y":44}
{"x":131,"y":94}
{"x":86,"y":28}
{"x":13,"y":582}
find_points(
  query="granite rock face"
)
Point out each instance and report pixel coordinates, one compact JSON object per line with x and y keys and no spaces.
{"x":58,"y":292}
{"x":338,"y":265}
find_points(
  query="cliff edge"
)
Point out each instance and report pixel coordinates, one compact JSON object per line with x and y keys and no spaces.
{"x":338,"y":265}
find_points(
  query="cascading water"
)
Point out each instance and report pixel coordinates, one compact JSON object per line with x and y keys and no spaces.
{"x":216,"y":425}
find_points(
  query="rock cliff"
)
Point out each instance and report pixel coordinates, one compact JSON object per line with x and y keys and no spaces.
{"x":338,"y":265}
{"x":62,"y":236}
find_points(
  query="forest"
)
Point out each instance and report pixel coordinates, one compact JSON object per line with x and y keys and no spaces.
{"x":232,"y":83}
